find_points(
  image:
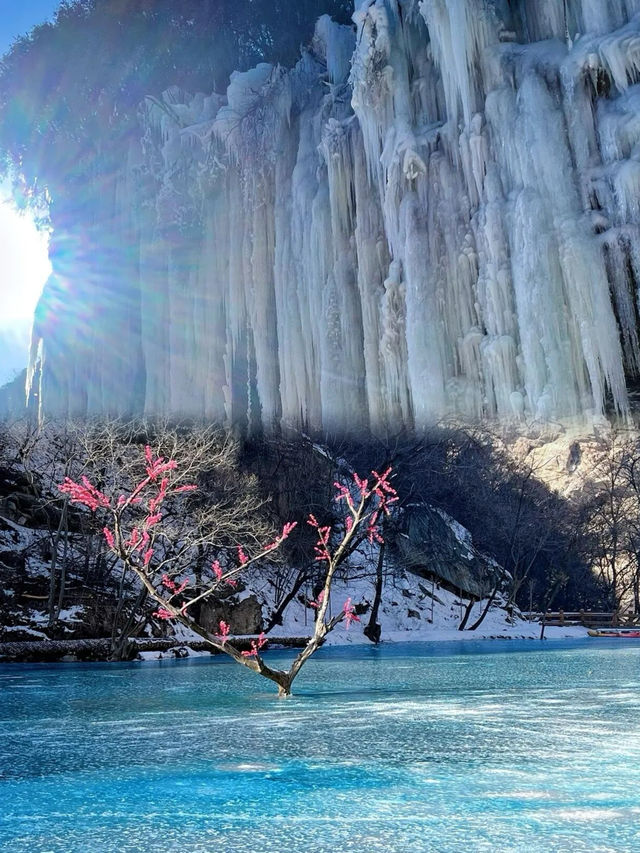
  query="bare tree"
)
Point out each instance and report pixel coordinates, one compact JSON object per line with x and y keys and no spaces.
{"x":137,"y":535}
{"x":610,"y":509}
{"x":227,"y":507}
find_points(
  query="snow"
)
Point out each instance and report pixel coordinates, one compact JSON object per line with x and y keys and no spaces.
{"x":412,"y":609}
{"x":183,"y":651}
{"x":71,"y":614}
{"x":23,"y":629}
{"x":406,"y":592}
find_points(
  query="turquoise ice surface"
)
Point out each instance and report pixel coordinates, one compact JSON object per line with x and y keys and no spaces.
{"x":474,"y":746}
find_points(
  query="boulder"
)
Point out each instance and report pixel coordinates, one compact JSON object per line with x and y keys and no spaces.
{"x":431,"y":544}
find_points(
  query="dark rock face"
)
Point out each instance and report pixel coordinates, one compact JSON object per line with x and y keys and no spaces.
{"x":431,"y":544}
{"x":243,"y":617}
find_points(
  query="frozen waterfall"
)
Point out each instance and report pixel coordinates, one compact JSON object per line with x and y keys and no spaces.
{"x":433,"y":215}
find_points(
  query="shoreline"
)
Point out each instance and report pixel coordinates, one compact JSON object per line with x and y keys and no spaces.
{"x":97,"y":650}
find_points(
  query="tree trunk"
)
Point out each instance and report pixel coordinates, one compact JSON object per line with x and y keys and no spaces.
{"x":373,"y":629}
{"x":544,"y":624}
{"x":63,"y":576}
{"x":121,"y":640}
{"x":54,"y":560}
{"x":276,"y":616}
{"x":467,"y":613}
{"x":490,"y":601}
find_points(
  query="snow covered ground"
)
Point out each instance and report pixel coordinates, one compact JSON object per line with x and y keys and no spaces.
{"x":413,"y":609}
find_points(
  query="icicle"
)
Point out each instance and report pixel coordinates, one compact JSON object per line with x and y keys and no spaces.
{"x":437,"y":215}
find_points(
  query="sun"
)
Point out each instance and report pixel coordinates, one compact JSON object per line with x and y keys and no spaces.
{"x":25,"y":263}
{"x":24,"y":269}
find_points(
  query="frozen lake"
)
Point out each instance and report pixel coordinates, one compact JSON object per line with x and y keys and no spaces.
{"x":487,"y":746}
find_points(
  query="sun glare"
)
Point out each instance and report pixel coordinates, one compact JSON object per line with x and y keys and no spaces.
{"x":25,"y":264}
{"x":24,"y":269}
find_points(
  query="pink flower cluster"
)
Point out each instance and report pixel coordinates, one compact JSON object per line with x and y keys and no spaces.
{"x":256,"y":645}
{"x":172,"y":586}
{"x":84,"y":493}
{"x":385,"y":495}
{"x":286,"y":530}
{"x":219,"y":575}
{"x":163,"y":613}
{"x":316,"y":604}
{"x":157,"y":466}
{"x":224,"y":632}
{"x":322,"y":546}
{"x":350,"y":614}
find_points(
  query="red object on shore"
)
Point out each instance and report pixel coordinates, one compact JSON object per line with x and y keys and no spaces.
{"x":620,"y":633}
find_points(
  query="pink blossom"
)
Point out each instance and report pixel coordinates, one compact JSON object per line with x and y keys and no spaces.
{"x":148,"y":555}
{"x":242,"y":557}
{"x":384,"y":491}
{"x":322,"y":546}
{"x":217,"y":571}
{"x":176,"y":589}
{"x":157,"y":466}
{"x":84,"y":493}
{"x":349,"y":613}
{"x":224,"y":632}
{"x":318,"y":600}
{"x":344,"y":494}
{"x":108,"y":535}
{"x":163,"y":613}
{"x":372,"y":528}
{"x":363,"y":486}
{"x":181,"y":489}
{"x":286,"y":530}
{"x":154,"y":503}
{"x":256,"y":645}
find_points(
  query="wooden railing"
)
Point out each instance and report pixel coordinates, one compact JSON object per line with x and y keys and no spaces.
{"x":588,"y":618}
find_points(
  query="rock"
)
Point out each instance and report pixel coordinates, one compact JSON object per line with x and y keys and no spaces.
{"x":180,"y":652}
{"x":575,"y":457}
{"x":431,"y":543}
{"x":243,"y":617}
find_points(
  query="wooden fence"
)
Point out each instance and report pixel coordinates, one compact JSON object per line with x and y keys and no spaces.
{"x":588,"y":618}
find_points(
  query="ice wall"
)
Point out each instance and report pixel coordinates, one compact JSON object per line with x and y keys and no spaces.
{"x":434,"y":215}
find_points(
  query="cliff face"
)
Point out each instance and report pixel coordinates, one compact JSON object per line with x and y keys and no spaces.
{"x":436,"y":215}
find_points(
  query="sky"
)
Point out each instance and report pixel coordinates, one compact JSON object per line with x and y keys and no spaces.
{"x":17,"y":17}
{"x":23,"y":252}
